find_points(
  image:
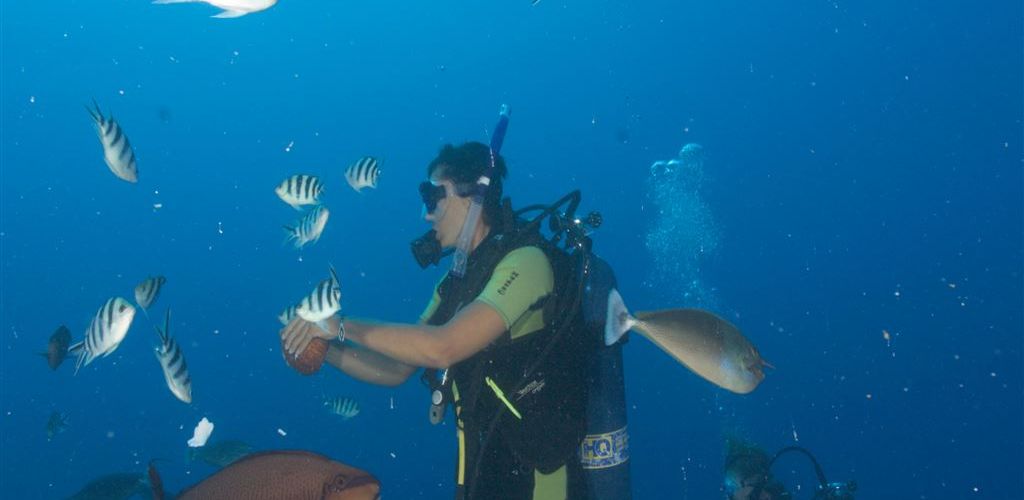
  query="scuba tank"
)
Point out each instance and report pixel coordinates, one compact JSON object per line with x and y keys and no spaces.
{"x":604,"y":452}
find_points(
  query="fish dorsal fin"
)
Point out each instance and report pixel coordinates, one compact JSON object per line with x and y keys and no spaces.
{"x":618,"y":320}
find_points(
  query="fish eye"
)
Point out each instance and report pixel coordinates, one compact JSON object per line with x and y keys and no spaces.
{"x":337,"y":483}
{"x":121,"y":308}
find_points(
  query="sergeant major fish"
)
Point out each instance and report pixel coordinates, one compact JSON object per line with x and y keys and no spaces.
{"x":117,"y":152}
{"x":232,"y":8}
{"x":299,"y":190}
{"x":345,"y":408}
{"x":147,"y":291}
{"x":363,"y":173}
{"x":287,"y":314}
{"x":309,"y":227}
{"x":172,"y":360}
{"x":323,"y":303}
{"x":106,"y":331}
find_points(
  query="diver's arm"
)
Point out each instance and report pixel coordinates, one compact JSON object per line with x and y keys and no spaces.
{"x":472,"y":329}
{"x":361,"y":364}
{"x":368,"y":366}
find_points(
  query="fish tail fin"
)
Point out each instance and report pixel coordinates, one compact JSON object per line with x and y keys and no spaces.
{"x":334,"y":275}
{"x":618,"y":321}
{"x":165,"y":332}
{"x":156,"y":484}
{"x":289,"y":235}
{"x":82,"y":353}
{"x":94,"y":113}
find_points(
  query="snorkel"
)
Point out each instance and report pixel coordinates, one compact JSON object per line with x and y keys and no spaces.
{"x":477,"y":199}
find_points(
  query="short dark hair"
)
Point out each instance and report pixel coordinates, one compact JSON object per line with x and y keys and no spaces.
{"x":464,"y":164}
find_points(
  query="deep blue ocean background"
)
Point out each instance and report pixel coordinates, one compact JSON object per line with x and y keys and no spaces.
{"x":864,"y":171}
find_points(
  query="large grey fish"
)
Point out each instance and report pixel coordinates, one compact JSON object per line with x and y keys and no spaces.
{"x":56,"y":424}
{"x":57,"y":347}
{"x":706,"y":344}
{"x":323,"y":302}
{"x":117,"y":152}
{"x":172,"y":360}
{"x":309,"y":227}
{"x":147,"y":291}
{"x":221,"y":453}
{"x":300,"y":190}
{"x":345,"y":408}
{"x":232,"y":8}
{"x":274,"y":475}
{"x":106,"y":331}
{"x":363,"y":173}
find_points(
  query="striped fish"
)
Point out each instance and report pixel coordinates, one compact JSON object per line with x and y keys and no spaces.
{"x":299,"y":190}
{"x":324,"y":302}
{"x":287,"y":315}
{"x":117,"y":152}
{"x":345,"y":408}
{"x":309,"y":227}
{"x":363,"y":173}
{"x":147,"y":291}
{"x":106,"y":331}
{"x":172,"y":360}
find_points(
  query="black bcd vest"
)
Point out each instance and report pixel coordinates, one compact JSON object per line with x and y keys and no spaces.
{"x":542,"y":374}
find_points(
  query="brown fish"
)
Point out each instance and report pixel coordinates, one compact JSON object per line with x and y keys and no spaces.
{"x":281,"y":475}
{"x":57,"y":347}
{"x":706,"y":344}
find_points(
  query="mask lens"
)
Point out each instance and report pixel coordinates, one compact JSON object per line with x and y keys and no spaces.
{"x":431,"y":196}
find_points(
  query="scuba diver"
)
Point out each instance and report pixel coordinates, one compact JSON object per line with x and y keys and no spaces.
{"x":493,"y":340}
{"x":748,"y":475}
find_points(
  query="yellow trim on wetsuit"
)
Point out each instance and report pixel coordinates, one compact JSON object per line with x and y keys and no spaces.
{"x":501,"y":395}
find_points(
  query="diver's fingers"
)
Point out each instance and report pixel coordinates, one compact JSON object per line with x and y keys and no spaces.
{"x":302,"y":344}
{"x":292,"y":332}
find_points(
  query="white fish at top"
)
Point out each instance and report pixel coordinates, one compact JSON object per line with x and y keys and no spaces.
{"x":324,"y":302}
{"x":147,"y":291}
{"x":106,"y":331}
{"x":117,"y":152}
{"x":309,"y":227}
{"x":363,"y":173}
{"x":299,"y":190}
{"x":287,"y":314}
{"x":232,"y":8}
{"x":172,"y":360}
{"x":346,"y":408}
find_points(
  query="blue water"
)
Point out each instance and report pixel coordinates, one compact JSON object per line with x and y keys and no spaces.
{"x":863,"y":171}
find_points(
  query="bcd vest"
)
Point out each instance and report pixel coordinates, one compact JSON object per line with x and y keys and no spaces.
{"x":541,"y":374}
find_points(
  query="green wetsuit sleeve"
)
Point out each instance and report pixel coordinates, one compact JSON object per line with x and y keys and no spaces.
{"x":522,"y":278}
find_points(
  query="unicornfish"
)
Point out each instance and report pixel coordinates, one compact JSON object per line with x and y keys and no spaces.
{"x":706,"y":344}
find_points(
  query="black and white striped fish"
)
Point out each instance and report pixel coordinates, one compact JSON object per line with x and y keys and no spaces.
{"x":363,"y":173}
{"x":287,"y":314}
{"x":323,"y":303}
{"x":172,"y":360}
{"x":106,"y":331}
{"x":309,"y":227}
{"x":147,"y":291}
{"x":117,"y":152}
{"x":299,"y":190}
{"x":346,"y":408}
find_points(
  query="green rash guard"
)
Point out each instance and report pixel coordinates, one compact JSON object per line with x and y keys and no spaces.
{"x":522,"y":278}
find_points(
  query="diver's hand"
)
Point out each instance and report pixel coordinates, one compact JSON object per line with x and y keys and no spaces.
{"x":297,"y":335}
